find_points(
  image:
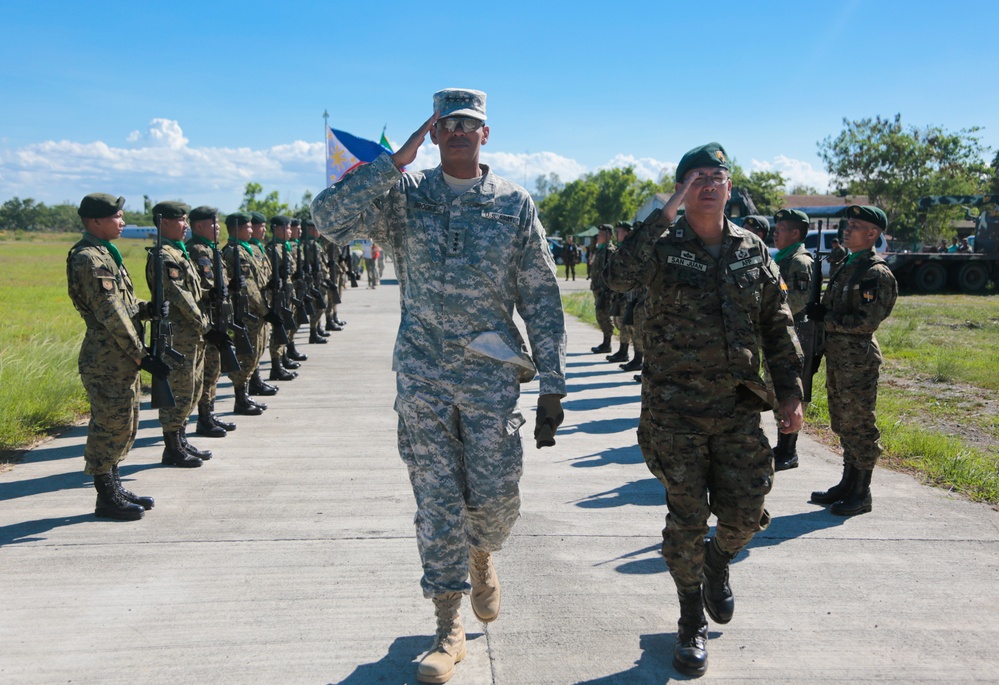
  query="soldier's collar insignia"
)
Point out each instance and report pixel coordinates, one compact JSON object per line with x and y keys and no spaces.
{"x":678,"y":232}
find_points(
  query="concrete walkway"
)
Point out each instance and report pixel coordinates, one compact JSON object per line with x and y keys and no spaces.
{"x":290,"y":557}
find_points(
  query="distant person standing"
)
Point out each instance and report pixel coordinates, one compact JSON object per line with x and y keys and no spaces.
{"x":860,"y":295}
{"x":602,"y":294}
{"x":758,"y":225}
{"x":619,"y":307}
{"x":112,"y":353}
{"x":837,"y":254}
{"x":570,"y":257}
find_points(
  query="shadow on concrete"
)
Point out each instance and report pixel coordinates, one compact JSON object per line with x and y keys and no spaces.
{"x":601,"y":427}
{"x":793,"y":526}
{"x":66,"y":446}
{"x":647,"y":492}
{"x":398,"y":666}
{"x":32,"y":531}
{"x":631,"y":454}
{"x":599,"y":402}
{"x":655,"y":666}
{"x":579,"y":387}
{"x":35,"y":486}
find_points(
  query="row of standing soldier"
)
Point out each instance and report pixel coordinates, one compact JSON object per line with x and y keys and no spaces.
{"x":212,"y":311}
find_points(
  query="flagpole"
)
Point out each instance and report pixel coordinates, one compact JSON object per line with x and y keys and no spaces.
{"x":326,"y":146}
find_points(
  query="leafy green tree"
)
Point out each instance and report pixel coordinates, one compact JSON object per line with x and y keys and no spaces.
{"x":895,"y":165}
{"x":570,"y":209}
{"x":20,"y":215}
{"x":269,"y":205}
{"x":546,"y":185}
{"x":803,"y":189}
{"x":304,"y":210}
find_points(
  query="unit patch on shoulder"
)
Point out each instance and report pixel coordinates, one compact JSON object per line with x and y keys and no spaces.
{"x":869,"y":291}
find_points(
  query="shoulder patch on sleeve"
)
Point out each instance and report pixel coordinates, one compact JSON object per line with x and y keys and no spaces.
{"x":869,"y":290}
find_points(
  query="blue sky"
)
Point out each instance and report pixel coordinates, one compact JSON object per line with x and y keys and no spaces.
{"x":191,"y":100}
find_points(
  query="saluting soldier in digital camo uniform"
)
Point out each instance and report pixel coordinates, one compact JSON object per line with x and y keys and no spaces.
{"x":602,"y":295}
{"x":182,"y":289}
{"x":469,"y":249}
{"x":860,"y":295}
{"x":202,"y":245}
{"x":795,"y":263}
{"x":714,"y":298}
{"x":112,"y":352}
{"x":248,"y":288}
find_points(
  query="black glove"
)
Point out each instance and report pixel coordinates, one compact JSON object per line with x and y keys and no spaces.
{"x":217,"y":338}
{"x":816,"y":311}
{"x":157,"y":368}
{"x":547,"y":420}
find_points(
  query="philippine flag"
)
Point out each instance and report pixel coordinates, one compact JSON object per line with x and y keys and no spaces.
{"x":344,"y":152}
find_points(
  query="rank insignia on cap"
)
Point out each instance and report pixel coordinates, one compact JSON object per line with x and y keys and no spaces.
{"x":720,"y":155}
{"x":856,"y":211}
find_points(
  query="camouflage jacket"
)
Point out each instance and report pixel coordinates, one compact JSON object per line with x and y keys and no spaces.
{"x":796,"y":270}
{"x":103,"y":293}
{"x":706,"y":322}
{"x":598,"y":268}
{"x":860,"y":295}
{"x":203,"y":257}
{"x":250,"y":264}
{"x":464,"y":263}
{"x":181,"y":288}
{"x":281,"y":260}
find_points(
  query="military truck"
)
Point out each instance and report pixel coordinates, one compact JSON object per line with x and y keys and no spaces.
{"x":969,"y":272}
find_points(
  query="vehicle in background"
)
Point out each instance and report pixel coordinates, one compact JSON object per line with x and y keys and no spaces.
{"x":828,"y":234}
{"x":140,"y":232}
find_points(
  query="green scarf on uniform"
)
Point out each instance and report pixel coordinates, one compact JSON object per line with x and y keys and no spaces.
{"x":854,"y":255}
{"x":786,"y":251}
{"x":180,"y":246}
{"x":110,"y":246}
{"x":205,"y":241}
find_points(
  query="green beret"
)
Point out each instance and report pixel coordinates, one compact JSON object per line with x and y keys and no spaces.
{"x":280,"y":220}
{"x":710,"y":155}
{"x":308,"y":223}
{"x":871,"y":215}
{"x":171,"y":209}
{"x":623,"y":224}
{"x":202,"y":213}
{"x":793,"y":215}
{"x":237,"y":219}
{"x":99,"y":205}
{"x":756,"y":223}
{"x":605,"y":227}
{"x":258,"y":218}
{"x":296,"y":222}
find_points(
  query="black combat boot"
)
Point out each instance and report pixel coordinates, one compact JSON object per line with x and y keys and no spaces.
{"x":174,"y":453}
{"x":322,"y":331}
{"x":288,"y":363}
{"x":146,"y":503}
{"x":635,"y":364}
{"x":227,"y":426}
{"x":206,"y":427}
{"x":333,"y":326}
{"x":279,"y":373}
{"x":786,"y":452}
{"x":110,"y":502}
{"x":243,"y":405}
{"x":621,"y":355}
{"x":690,"y":655}
{"x":717,"y":594}
{"x":838,"y":491}
{"x":259,"y":387}
{"x":858,"y":499}
{"x":203,"y":455}
{"x":316,"y":339}
{"x":338,"y":321}
{"x":295,"y":354}
{"x":605,"y":346}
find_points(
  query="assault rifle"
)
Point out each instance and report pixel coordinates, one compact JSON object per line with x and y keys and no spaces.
{"x":160,"y":330}
{"x":348,"y":262}
{"x":315,"y":282}
{"x":304,"y":310}
{"x":222,"y":313}
{"x":279,"y":314}
{"x":812,"y":333}
{"x":240,"y":305}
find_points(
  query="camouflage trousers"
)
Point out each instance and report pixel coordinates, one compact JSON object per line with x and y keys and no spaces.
{"x":624,"y":331}
{"x":728,"y":474}
{"x":247,"y":362}
{"x":113,"y":391}
{"x":636,"y":329}
{"x":602,"y":311}
{"x":186,"y":381}
{"x":853,"y":364}
{"x":212,"y":373}
{"x":465,"y":459}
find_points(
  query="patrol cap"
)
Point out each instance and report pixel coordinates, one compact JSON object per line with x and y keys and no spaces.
{"x":99,"y":205}
{"x":605,"y":227}
{"x":237,"y":219}
{"x":793,"y":215}
{"x":171,"y":209}
{"x":710,"y":155}
{"x":756,"y":224}
{"x":872,"y":215}
{"x":460,"y":102}
{"x":202,"y":213}
{"x":257,"y":218}
{"x":280,"y":220}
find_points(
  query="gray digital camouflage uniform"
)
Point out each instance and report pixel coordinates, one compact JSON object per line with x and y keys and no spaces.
{"x":860,"y":295}
{"x":103,"y":294}
{"x":182,"y":289}
{"x":464,"y":263}
{"x":702,"y":391}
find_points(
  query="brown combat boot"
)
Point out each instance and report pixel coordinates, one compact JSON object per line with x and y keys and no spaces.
{"x":485,"y":586}
{"x":449,"y":642}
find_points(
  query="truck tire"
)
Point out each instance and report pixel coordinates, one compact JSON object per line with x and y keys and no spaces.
{"x":973,"y":277}
{"x":930,"y":278}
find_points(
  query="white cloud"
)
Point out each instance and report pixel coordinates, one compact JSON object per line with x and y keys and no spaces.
{"x":646,"y":168}
{"x":795,"y":171}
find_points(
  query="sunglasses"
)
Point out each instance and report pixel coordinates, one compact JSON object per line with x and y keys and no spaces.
{"x":468,"y":124}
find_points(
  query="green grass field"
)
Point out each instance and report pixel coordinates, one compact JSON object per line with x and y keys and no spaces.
{"x":937,"y":406}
